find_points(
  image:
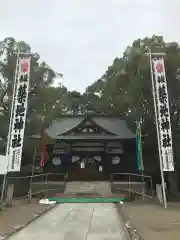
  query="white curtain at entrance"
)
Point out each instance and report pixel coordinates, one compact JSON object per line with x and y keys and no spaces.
{"x":100,"y":168}
{"x":82,"y":165}
{"x":56,"y":161}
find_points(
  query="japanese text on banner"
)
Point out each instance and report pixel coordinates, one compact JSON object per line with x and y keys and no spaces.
{"x":162,"y":101}
{"x":19,"y":114}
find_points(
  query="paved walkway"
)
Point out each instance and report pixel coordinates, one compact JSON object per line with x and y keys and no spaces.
{"x":76,"y":221}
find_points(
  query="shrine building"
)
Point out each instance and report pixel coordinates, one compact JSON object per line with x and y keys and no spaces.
{"x":89,"y":148}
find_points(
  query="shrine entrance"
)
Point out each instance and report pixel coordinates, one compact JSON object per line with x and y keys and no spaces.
{"x":86,"y":170}
{"x":89,"y":173}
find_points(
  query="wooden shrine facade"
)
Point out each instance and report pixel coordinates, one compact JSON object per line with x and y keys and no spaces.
{"x":89,"y":147}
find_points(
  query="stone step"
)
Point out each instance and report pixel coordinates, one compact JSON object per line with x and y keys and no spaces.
{"x":88,"y":187}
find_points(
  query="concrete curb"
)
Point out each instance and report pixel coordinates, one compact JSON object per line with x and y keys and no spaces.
{"x":130,"y":228}
{"x":29,"y":222}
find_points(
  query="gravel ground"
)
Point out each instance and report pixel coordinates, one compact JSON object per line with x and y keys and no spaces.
{"x":152,"y":221}
{"x":18,"y":215}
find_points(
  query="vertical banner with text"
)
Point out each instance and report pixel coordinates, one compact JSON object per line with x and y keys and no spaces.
{"x":163,"y":114}
{"x":19,"y":114}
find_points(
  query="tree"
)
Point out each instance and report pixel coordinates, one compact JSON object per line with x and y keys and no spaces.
{"x":42,"y":97}
{"x":73,"y":102}
{"x":126,"y":90}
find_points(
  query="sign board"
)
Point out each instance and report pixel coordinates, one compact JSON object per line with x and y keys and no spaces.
{"x":3,"y":164}
{"x":163,"y":114}
{"x":19,"y":114}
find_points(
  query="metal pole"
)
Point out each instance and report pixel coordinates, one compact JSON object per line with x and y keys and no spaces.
{"x":142,"y":171}
{"x":143,"y":184}
{"x":9,"y":131}
{"x":31,"y":180}
{"x":157,"y":126}
{"x":34,"y":159}
{"x":152,"y":192}
{"x":129,"y":184}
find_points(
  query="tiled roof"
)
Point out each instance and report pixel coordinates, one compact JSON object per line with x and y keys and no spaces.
{"x":114,"y":125}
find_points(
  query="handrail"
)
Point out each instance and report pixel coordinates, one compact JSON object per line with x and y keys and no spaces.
{"x":35,"y":193}
{"x":38,"y":175}
{"x":45,"y":180}
{"x":133,"y":191}
{"x":129,"y":182}
{"x":130,"y":174}
{"x":29,"y":176}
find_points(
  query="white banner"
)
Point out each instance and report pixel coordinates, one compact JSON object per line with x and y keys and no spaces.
{"x":163,"y":114}
{"x":19,"y":114}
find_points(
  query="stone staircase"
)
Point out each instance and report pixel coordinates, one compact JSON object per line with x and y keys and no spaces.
{"x":99,"y":188}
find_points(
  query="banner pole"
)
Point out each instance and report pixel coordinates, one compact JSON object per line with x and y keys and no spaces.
{"x":142,"y":175}
{"x":157,"y":128}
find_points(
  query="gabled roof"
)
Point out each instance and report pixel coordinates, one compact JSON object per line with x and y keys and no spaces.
{"x":63,"y":125}
{"x":61,"y":128}
{"x":115,"y":125}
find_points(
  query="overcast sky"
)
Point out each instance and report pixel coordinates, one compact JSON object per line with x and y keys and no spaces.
{"x":82,"y":37}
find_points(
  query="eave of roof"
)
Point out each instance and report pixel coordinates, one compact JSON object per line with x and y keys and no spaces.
{"x":87,"y":137}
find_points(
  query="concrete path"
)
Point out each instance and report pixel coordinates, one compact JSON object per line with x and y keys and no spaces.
{"x":76,"y":221}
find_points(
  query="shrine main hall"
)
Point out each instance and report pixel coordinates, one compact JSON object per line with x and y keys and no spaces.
{"x":89,"y":148}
